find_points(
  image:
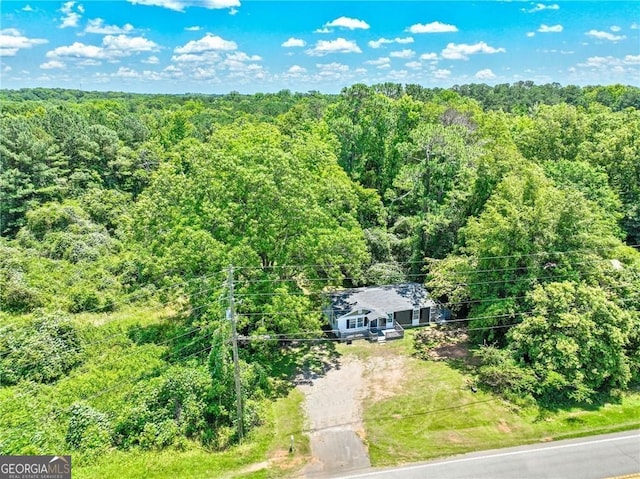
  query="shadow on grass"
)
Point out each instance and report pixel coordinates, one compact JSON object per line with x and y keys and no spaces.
{"x":302,"y":362}
{"x":287,"y":363}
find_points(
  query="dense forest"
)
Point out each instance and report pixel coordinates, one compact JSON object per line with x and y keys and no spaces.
{"x":517,"y":205}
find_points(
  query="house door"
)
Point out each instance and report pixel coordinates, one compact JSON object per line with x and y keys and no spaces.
{"x":415,"y":317}
{"x":389,"y":324}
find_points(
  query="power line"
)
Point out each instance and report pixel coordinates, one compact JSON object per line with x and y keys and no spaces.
{"x":123,"y":333}
{"x":406,"y":275}
{"x":540,"y":253}
{"x":128,"y":381}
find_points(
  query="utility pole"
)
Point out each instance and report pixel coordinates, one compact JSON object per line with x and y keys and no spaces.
{"x":236,"y":364}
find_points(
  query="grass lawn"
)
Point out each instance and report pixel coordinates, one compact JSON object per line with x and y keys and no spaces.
{"x":434,"y":413}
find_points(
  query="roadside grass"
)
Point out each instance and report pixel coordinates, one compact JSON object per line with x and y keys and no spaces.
{"x":263,"y":454}
{"x":434,"y":413}
{"x":120,"y":348}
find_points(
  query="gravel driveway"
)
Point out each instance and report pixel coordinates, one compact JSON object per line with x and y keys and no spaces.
{"x":334,"y":415}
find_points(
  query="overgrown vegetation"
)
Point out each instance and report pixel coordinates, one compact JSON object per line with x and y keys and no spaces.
{"x":518,"y":205}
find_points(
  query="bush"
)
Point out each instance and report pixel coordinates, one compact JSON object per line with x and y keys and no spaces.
{"x":18,"y":297}
{"x":83,"y":299}
{"x":88,"y":428}
{"x":16,"y":294}
{"x":43,"y":350}
{"x":167,"y":407}
{"x":500,"y":372}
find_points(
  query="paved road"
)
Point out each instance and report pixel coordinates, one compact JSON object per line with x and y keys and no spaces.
{"x":595,"y":457}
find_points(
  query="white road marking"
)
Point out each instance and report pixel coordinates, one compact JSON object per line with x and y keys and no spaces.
{"x":489,"y":456}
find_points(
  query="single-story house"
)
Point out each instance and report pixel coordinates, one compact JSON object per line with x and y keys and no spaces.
{"x":382,"y":311}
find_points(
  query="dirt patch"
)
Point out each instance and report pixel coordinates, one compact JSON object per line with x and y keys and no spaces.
{"x":282,"y":460}
{"x":442,"y":343}
{"x":451,"y":351}
{"x":454,"y":438}
{"x":384,"y":376}
{"x":504,"y":427}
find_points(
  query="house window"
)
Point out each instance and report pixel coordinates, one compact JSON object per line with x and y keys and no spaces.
{"x":357,"y":322}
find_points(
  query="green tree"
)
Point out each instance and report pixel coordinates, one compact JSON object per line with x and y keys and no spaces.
{"x":574,"y":341}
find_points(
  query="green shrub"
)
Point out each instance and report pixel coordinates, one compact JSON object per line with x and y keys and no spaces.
{"x":44,"y":350}
{"x":83,"y":298}
{"x":499,"y":371}
{"x":88,"y":429}
{"x":168,"y":407}
{"x":18,"y":297}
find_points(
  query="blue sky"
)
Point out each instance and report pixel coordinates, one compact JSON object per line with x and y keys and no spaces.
{"x":218,"y":46}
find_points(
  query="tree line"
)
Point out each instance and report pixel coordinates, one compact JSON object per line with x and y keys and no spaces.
{"x":517,"y":205}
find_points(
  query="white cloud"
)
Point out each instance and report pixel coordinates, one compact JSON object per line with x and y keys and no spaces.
{"x":89,"y":63}
{"x":406,"y":53}
{"x":11,"y":41}
{"x":194,"y":28}
{"x":6,"y":69}
{"x":433,"y":27}
{"x":398,"y":75}
{"x":293,"y":42}
{"x":541,"y":6}
{"x":239,"y":62}
{"x":78,"y":50}
{"x":429,"y":56}
{"x":112,"y":47}
{"x":28,"y":8}
{"x":332,"y":67}
{"x":380,"y":62}
{"x":413,"y":65}
{"x":462,"y":51}
{"x":340,"y":45}
{"x":550,"y":28}
{"x":123,"y":43}
{"x":125,"y":72}
{"x":173,"y":71}
{"x":195,"y":58}
{"x":635,"y":26}
{"x":384,"y":41}
{"x":152,"y":60}
{"x":561,"y":52}
{"x":97,"y":26}
{"x":600,"y":35}
{"x":207,"y":43}
{"x":485,"y":74}
{"x":233,"y":11}
{"x":243,"y":57}
{"x":346,"y":22}
{"x":52,"y":64}
{"x":610,"y":62}
{"x":296,"y":70}
{"x":323,"y":30}
{"x":71,"y":16}
{"x":531,"y":34}
{"x":615,"y":28}
{"x":181,"y":5}
{"x":442,"y":74}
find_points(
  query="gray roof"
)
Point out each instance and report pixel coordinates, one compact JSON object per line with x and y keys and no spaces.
{"x":381,"y":299}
